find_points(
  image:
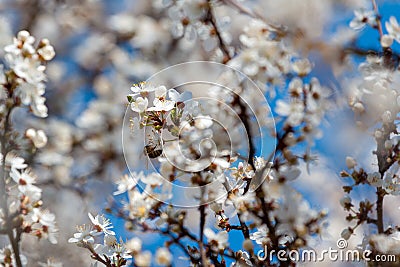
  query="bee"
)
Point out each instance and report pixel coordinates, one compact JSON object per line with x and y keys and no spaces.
{"x":153,"y":151}
{"x":154,"y":148}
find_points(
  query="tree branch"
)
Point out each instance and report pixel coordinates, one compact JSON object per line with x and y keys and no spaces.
{"x":211,"y":18}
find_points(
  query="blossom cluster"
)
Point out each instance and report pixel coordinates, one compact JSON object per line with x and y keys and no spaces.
{"x":113,"y":252}
{"x":25,"y":201}
{"x":22,"y":211}
{"x":196,"y":20}
{"x":186,"y":145}
{"x":366,"y":17}
{"x":26,"y":63}
{"x":373,"y":97}
{"x":181,"y":117}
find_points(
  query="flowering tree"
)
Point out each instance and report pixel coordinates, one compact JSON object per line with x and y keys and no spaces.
{"x":21,"y":203}
{"x":219,"y":144}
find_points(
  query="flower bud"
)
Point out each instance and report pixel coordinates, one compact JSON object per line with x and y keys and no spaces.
{"x":344,"y":201}
{"x":163,"y":256}
{"x":143,"y":259}
{"x":23,"y":35}
{"x":38,"y":137}
{"x":346,"y":233}
{"x":44,"y":42}
{"x":350,"y":162}
{"x":248,"y":245}
{"x":386,"y":41}
{"x":134,"y":245}
{"x":358,"y":108}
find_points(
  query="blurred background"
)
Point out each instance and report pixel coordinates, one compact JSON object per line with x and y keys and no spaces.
{"x":103,"y":47}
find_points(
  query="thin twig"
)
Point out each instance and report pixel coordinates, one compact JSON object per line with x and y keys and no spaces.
{"x":14,"y":240}
{"x":378,"y":18}
{"x":96,"y":256}
{"x":247,"y":11}
{"x":213,"y":21}
{"x":382,"y":155}
{"x":202,"y":225}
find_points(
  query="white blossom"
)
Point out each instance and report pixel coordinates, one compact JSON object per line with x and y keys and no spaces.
{"x":134,"y":245}
{"x":38,"y":137}
{"x":302,"y":67}
{"x":101,"y":224}
{"x":85,"y":234}
{"x":139,"y":104}
{"x":386,"y":41}
{"x":294,"y":111}
{"x":143,"y":259}
{"x":362,"y":18}
{"x":163,"y":257}
{"x":375,"y":179}
{"x":126,"y":183}
{"x":393,"y":28}
{"x":220,"y":239}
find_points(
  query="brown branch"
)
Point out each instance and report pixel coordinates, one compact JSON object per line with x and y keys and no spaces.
{"x":211,"y":18}
{"x":14,"y":241}
{"x":244,"y":118}
{"x":177,"y":240}
{"x":251,"y":13}
{"x":380,"y":193}
{"x":382,"y":155}
{"x":360,"y":52}
{"x":378,"y":18}
{"x":202,"y":225}
{"x":96,"y":256}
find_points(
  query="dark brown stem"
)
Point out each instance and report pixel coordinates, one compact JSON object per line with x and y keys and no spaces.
{"x":272,"y":234}
{"x":379,"y":209}
{"x":244,"y":118}
{"x":244,"y":228}
{"x":96,"y":256}
{"x":15,"y":244}
{"x":267,"y":221}
{"x":180,"y":245}
{"x":202,"y":209}
{"x":382,"y":155}
{"x":384,"y":164}
{"x":213,"y":21}
{"x":360,"y":52}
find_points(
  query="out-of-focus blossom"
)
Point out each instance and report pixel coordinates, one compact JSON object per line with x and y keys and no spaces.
{"x":362,"y":18}
{"x":393,"y":28}
{"x":219,"y":240}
